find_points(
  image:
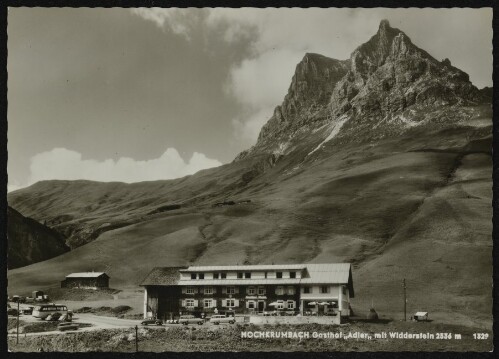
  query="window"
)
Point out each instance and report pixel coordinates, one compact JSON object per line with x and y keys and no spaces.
{"x":247,"y":275}
{"x":231,"y":302}
{"x":291,"y":304}
{"x":324,"y":289}
{"x":291,"y":290}
{"x":251,"y":291}
{"x":208,"y":303}
{"x":189,"y":290}
{"x":193,"y":275}
{"x":307,"y":290}
{"x":201,"y":276}
{"x":251,"y":305}
{"x":208,"y":290}
{"x":189,"y":303}
{"x":239,"y":276}
{"x":280,"y":304}
{"x":265,"y":275}
{"x":261,"y":290}
{"x":292,"y":274}
{"x":215,"y":275}
{"x":278,"y":274}
{"x":279,"y":290}
{"x":344,"y":290}
{"x":223,"y":275}
{"x":231,"y":290}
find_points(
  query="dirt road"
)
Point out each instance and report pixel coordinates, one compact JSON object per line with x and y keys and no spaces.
{"x":96,"y":323}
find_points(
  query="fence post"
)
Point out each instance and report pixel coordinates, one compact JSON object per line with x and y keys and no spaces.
{"x":136,"y":338}
{"x":17,"y":334}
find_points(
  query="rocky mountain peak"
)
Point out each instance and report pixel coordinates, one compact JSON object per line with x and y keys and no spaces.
{"x":387,"y":42}
{"x":386,"y":77}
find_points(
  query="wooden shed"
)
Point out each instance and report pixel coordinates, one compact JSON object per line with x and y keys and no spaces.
{"x":421,"y":316}
{"x":86,"y":280}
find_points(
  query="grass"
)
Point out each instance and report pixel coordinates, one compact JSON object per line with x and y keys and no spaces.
{"x":76,"y":294}
{"x":415,"y":207}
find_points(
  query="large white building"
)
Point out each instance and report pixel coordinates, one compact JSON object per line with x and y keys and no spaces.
{"x":295,"y":288}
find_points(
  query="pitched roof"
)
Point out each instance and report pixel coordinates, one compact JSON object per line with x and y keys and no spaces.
{"x":85,"y":275}
{"x":163,"y":276}
{"x":322,"y":273}
{"x":327,"y":273}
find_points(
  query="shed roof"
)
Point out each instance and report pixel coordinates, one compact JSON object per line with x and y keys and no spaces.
{"x":421,"y":314}
{"x":86,"y":275}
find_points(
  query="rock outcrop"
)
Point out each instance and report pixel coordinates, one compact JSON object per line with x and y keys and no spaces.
{"x":31,"y":241}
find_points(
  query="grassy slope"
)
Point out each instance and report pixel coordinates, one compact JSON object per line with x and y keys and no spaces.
{"x":416,"y":207}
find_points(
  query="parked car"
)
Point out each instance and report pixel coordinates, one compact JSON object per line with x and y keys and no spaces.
{"x":152,"y":321}
{"x":270,"y":314}
{"x":67,"y":326}
{"x":190,"y":319}
{"x":28,"y":311}
{"x":218,"y":318}
{"x":12,"y":311}
{"x":53,"y":317}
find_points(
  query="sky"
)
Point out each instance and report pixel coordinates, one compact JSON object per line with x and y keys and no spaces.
{"x":145,"y":94}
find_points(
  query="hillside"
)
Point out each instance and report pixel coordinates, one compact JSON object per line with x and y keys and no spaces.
{"x":383,"y":160}
{"x":31,"y":242}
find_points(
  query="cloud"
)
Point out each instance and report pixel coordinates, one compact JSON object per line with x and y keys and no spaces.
{"x":179,"y":21}
{"x":64,"y":164}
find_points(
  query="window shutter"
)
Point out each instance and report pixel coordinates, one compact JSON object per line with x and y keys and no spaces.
{"x":224,"y":302}
{"x":195,"y":290}
{"x":224,"y":290}
{"x":247,"y":304}
{"x":196,"y":303}
{"x":213,"y":303}
{"x":236,"y":290}
{"x":182,"y":303}
{"x":236,"y":302}
{"x":183,"y":290}
{"x":214,"y":289}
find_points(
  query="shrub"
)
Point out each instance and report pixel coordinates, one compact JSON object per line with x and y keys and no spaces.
{"x":121,"y":309}
{"x":83,"y":310}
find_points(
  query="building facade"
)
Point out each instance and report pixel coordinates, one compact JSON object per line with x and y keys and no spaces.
{"x":86,"y":280}
{"x":248,"y":289}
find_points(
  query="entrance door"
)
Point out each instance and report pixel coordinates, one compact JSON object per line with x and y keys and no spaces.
{"x":261,"y":306}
